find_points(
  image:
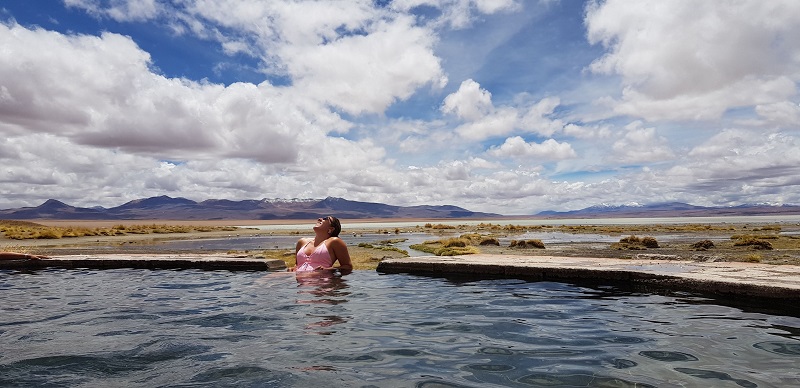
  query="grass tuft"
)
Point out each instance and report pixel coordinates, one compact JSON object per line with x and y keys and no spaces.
{"x":19,"y":230}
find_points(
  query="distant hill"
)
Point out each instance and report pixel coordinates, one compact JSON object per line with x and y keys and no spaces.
{"x":671,"y":209}
{"x":168,"y":208}
{"x":165,"y":207}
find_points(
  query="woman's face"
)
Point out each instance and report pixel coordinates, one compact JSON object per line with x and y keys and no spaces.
{"x":323,"y":224}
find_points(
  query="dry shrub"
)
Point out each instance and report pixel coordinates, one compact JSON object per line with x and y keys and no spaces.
{"x":630,"y":240}
{"x":489,"y":241}
{"x":455,"y":242}
{"x":49,"y":233}
{"x":753,"y":242}
{"x":535,"y":244}
{"x":456,"y":251}
{"x":650,"y":242}
{"x":753,"y":258}
{"x":703,"y":245}
{"x":635,"y":243}
{"x":526,"y":244}
{"x":439,"y":226}
{"x":447,"y":247}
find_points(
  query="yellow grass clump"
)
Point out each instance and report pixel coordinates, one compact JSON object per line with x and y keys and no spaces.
{"x":533,"y":243}
{"x":635,"y":243}
{"x":21,"y":230}
{"x":447,"y":247}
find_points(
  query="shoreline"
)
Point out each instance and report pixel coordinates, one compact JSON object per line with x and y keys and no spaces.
{"x":247,"y":222}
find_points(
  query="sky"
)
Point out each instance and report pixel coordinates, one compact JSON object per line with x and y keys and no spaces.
{"x":504,"y":106}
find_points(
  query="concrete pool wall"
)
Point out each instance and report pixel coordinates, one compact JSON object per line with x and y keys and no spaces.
{"x":777,"y":282}
{"x":727,"y":278}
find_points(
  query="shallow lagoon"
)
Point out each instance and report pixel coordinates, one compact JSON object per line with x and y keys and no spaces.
{"x":389,"y":225}
{"x":194,"y":328}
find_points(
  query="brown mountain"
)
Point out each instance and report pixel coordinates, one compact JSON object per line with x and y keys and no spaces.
{"x":672,"y":209}
{"x":165,"y":207}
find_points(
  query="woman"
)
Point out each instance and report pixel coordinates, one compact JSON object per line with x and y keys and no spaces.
{"x":324,"y":249}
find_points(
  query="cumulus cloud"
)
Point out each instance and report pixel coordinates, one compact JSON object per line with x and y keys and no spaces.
{"x":587,"y":132}
{"x":349,"y":55}
{"x":470,"y":102}
{"x":500,"y":122}
{"x":367,"y":73}
{"x":516,"y":147}
{"x":536,"y":119}
{"x":358,"y":108}
{"x":641,"y":145}
{"x":749,"y":169}
{"x":784,"y":114}
{"x":482,"y":119}
{"x":101,"y":92}
{"x":683,"y":60}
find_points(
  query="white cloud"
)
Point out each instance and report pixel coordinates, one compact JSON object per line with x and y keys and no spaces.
{"x":119,"y":10}
{"x":684,"y":60}
{"x":102,"y":93}
{"x":360,"y":111}
{"x":482,"y":120}
{"x":641,"y":145}
{"x":741,"y":167}
{"x":459,"y":14}
{"x":587,"y":132}
{"x":783,"y":114}
{"x":348,"y":55}
{"x":501,"y":122}
{"x":536,"y":120}
{"x":708,"y":106}
{"x":470,"y":102}
{"x":367,"y":73}
{"x":517,"y":148}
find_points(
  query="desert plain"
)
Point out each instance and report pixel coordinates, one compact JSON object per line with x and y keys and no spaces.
{"x":756,"y":242}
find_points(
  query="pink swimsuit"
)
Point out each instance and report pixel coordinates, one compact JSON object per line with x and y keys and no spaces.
{"x":320,"y":257}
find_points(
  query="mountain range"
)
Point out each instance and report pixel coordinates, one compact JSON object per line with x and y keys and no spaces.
{"x":672,"y":209}
{"x":168,"y":208}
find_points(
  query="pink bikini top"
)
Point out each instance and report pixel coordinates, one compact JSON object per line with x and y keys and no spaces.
{"x":320,"y":257}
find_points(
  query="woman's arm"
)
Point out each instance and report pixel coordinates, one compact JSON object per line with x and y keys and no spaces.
{"x":338,"y":249}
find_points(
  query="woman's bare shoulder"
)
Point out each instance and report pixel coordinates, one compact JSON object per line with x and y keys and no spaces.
{"x":336,"y":241}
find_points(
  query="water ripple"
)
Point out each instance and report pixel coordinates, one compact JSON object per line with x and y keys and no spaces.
{"x":139,"y":328}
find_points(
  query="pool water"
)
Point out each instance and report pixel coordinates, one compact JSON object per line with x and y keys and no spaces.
{"x":140,"y":328}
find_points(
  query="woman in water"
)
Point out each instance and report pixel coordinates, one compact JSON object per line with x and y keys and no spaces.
{"x":325,"y":248}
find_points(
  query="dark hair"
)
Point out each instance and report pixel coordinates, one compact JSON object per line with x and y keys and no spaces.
{"x":336,"y":225}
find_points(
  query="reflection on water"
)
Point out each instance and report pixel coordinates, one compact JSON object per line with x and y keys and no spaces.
{"x":328,"y":290}
{"x":138,"y":328}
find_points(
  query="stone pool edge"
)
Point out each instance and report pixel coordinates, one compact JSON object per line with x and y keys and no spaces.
{"x":777,"y":282}
{"x":150,"y":261}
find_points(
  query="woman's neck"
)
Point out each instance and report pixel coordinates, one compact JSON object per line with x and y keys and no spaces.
{"x":319,"y":237}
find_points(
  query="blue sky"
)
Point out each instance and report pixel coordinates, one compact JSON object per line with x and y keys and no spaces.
{"x":504,"y":106}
